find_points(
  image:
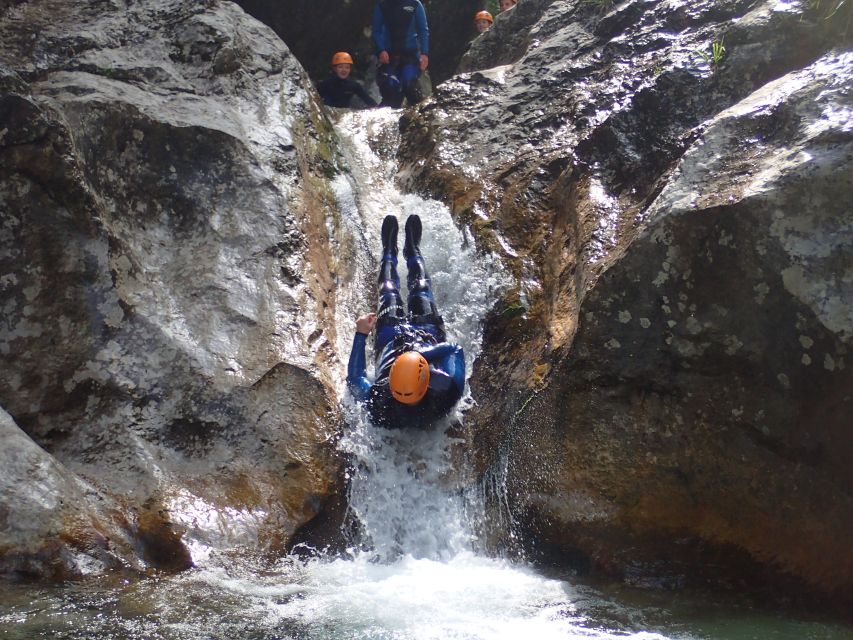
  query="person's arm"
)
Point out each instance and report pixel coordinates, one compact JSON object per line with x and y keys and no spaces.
{"x":380,"y":33}
{"x":359,"y":384}
{"x":357,"y":380}
{"x":448,"y":359}
{"x":423,"y":30}
{"x":326,"y":93}
{"x":361,"y":92}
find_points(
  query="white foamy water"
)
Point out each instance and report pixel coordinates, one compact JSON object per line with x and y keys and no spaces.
{"x":466,"y":597}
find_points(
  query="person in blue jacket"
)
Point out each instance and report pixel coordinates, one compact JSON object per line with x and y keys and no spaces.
{"x":401,"y":39}
{"x":419,"y":375}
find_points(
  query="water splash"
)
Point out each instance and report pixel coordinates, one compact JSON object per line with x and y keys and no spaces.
{"x":404,"y":492}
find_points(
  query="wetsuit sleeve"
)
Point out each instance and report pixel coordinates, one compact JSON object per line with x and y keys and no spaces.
{"x":357,"y":380}
{"x":326,"y":93}
{"x":380,"y":30}
{"x":448,"y":359}
{"x":423,"y":28}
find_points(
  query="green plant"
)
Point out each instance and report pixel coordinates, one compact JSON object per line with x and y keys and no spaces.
{"x":718,"y":53}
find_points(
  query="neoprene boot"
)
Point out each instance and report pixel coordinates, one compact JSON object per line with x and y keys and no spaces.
{"x":389,"y":236}
{"x":413,"y":236}
{"x":388,"y":264}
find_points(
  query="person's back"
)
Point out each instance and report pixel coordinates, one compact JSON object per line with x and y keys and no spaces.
{"x":446,"y":385}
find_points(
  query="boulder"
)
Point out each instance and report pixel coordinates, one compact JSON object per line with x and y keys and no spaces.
{"x":663,"y":389}
{"x":703,"y":409}
{"x":47,"y":527}
{"x":166,"y":289}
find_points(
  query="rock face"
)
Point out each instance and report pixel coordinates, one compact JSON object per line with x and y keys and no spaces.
{"x":166,"y":287}
{"x":667,"y":387}
{"x":41,"y":503}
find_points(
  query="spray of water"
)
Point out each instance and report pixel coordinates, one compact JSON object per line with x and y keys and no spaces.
{"x":404,"y":492}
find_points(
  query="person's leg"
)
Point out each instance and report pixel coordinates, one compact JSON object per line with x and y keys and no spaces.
{"x":390,"y":86}
{"x":409,"y":73}
{"x":390,"y":310}
{"x":422,"y":309}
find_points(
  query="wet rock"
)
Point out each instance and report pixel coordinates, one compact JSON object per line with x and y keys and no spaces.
{"x":167,"y":302}
{"x":511,"y":35}
{"x":703,"y":388}
{"x":676,"y":230}
{"x":46,"y":525}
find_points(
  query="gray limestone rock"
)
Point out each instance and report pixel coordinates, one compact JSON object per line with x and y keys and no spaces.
{"x":47,"y":527}
{"x":165,"y":327}
{"x":667,"y":382}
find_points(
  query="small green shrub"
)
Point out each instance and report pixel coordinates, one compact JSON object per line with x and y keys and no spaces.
{"x":715,"y":58}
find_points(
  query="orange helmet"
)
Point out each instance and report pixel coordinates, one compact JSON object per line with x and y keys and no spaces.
{"x":341,"y":57}
{"x":484,"y":15}
{"x":409,"y":378}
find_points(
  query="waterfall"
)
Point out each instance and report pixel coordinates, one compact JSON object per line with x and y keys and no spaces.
{"x":404,"y":492}
{"x":417,"y":572}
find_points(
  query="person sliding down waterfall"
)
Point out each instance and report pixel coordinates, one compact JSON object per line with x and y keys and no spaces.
{"x":419,"y":375}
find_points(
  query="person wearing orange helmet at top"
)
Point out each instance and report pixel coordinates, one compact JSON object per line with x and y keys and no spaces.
{"x":483,"y":20}
{"x":420,"y":376}
{"x":507,"y":4}
{"x":338,"y":89}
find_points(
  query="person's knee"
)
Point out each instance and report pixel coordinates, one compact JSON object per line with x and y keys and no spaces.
{"x":421,"y":286}
{"x":388,"y":287}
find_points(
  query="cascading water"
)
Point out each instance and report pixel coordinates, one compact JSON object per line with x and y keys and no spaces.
{"x":403,"y":491}
{"x":417,"y":572}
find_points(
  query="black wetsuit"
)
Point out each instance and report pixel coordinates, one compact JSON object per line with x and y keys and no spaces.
{"x":422,"y":331}
{"x":338,"y":93}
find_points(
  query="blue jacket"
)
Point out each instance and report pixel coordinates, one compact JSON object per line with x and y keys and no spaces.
{"x":400,"y":27}
{"x":446,"y":381}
